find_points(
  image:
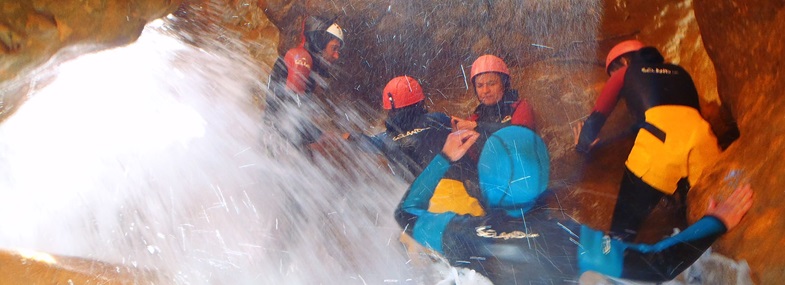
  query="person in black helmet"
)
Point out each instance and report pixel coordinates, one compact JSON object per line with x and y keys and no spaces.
{"x":295,"y":77}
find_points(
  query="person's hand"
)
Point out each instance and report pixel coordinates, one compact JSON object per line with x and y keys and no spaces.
{"x":732,"y":209}
{"x":460,"y":124}
{"x":458,"y":143}
{"x":576,"y":132}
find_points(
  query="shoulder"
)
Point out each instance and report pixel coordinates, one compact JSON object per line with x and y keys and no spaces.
{"x":299,"y":56}
{"x":438,"y":119}
{"x":678,"y":68}
{"x":298,"y":51}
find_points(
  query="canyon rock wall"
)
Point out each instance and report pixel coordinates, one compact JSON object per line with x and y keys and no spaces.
{"x":555,"y":49}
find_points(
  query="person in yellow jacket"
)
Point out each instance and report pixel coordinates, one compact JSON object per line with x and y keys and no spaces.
{"x":674,"y":144}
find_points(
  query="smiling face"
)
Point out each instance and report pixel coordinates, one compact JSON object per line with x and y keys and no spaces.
{"x":489,"y":88}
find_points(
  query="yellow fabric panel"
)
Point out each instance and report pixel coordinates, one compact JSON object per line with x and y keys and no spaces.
{"x":690,"y":146}
{"x":451,"y":196}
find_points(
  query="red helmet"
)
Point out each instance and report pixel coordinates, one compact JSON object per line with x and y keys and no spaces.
{"x":489,"y":63}
{"x":400,"y":92}
{"x":620,"y":49}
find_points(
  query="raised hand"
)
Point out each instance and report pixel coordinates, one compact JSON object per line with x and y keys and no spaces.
{"x":460,"y":124}
{"x":732,"y":209}
{"x":458,"y":143}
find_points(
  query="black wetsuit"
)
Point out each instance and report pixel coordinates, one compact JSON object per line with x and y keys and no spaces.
{"x":674,"y":144}
{"x":413,"y":137}
{"x":292,"y":112}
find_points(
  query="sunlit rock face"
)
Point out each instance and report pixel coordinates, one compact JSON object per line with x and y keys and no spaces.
{"x":744,"y":42}
{"x":31,"y":31}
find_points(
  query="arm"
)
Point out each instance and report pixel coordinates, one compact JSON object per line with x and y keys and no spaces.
{"x":412,"y":212}
{"x":668,"y":258}
{"x":609,"y":96}
{"x":298,"y":62}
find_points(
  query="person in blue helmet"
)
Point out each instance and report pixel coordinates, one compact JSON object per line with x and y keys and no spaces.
{"x":519,"y":239}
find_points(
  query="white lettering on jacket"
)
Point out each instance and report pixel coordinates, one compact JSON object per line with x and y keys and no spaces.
{"x":409,"y":133}
{"x":302,"y":62}
{"x":487,"y":232}
{"x":658,"y":70}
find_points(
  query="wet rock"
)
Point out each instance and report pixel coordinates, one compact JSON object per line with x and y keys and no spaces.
{"x":31,"y":32}
{"x":742,"y":40}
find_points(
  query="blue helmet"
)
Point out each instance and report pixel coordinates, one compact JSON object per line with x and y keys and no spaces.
{"x":513,"y":170}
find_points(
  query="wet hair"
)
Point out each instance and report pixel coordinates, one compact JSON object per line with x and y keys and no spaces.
{"x":403,"y":118}
{"x":316,"y":35}
{"x":617,"y":63}
{"x":643,"y":55}
{"x":648,"y":55}
{"x":316,"y":41}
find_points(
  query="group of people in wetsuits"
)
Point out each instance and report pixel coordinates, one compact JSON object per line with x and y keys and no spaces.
{"x":476,"y":183}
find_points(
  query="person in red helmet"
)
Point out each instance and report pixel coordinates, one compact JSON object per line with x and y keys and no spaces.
{"x":500,"y":105}
{"x":412,"y":135}
{"x":673,"y":145}
{"x":297,"y":75}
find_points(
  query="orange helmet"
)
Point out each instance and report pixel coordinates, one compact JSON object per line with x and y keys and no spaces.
{"x":400,"y":92}
{"x":489,"y":63}
{"x":620,"y":49}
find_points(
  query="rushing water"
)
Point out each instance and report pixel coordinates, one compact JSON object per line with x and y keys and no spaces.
{"x":154,"y":156}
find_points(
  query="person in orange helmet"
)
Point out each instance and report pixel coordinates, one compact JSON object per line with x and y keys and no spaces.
{"x":673,"y":145}
{"x":412,"y":134}
{"x":297,"y":75}
{"x":500,"y":105}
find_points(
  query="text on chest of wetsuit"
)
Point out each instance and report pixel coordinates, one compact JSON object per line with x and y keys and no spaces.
{"x":409,"y":133}
{"x":487,"y":232}
{"x":658,"y":70}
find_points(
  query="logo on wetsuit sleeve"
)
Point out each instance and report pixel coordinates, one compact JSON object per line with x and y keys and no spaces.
{"x":487,"y":232}
{"x":409,"y":133}
{"x":658,"y":70}
{"x":506,"y":119}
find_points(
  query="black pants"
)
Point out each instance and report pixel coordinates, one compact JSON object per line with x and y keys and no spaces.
{"x":635,"y":202}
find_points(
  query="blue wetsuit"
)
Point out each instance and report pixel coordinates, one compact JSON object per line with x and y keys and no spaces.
{"x":531,"y":242}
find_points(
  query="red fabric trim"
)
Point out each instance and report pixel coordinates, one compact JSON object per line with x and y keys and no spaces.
{"x":609,"y":95}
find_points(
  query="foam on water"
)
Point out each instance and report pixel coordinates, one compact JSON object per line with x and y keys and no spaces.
{"x":154,"y":155}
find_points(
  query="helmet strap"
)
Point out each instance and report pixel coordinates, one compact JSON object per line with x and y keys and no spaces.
{"x":392,"y":102}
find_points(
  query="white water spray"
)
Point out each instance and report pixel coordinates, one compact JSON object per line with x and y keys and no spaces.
{"x":153,"y":155}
